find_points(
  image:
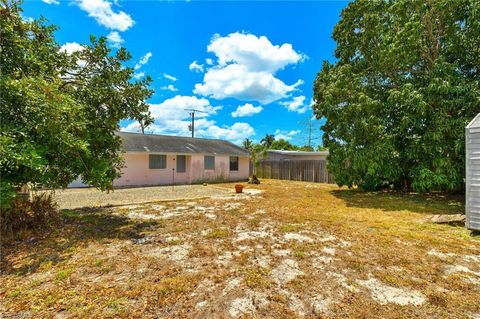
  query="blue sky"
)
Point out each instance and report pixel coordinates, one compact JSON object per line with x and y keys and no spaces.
{"x":249,"y":65}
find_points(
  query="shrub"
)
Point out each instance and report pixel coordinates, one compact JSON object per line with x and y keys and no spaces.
{"x":23,"y":214}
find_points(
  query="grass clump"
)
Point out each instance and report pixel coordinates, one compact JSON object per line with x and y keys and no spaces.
{"x":256,"y":277}
{"x":290,"y":228}
{"x":218,"y":233}
{"x":63,"y":274}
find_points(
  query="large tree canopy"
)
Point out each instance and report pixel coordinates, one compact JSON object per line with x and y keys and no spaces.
{"x":405,"y":84}
{"x":59,"y":111}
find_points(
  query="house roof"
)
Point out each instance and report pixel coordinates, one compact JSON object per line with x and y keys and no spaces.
{"x":298,"y":153}
{"x":475,"y":122}
{"x":136,"y":142}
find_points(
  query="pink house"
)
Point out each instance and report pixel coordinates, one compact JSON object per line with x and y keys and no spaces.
{"x":164,"y":160}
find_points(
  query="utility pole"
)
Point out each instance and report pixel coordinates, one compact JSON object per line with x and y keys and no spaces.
{"x":191,"y":127}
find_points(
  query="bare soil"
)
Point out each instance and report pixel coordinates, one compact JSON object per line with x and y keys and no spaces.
{"x":91,"y":197}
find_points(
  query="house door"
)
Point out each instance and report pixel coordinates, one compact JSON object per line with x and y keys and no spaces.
{"x":181,"y":163}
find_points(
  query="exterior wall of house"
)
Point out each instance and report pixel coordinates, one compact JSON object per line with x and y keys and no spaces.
{"x":222,"y":169}
{"x":137,"y":173}
{"x":243,"y":169}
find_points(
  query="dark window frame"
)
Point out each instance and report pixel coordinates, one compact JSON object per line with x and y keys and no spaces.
{"x":162,"y":159}
{"x":205,"y":163}
{"x":235,"y":166}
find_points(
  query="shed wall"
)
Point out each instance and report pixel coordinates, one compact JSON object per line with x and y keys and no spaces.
{"x":473,"y":177}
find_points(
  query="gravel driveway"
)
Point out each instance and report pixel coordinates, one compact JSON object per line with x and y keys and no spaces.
{"x":90,"y":197}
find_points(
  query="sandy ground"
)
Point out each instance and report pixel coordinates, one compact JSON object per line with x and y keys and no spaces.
{"x":283,"y":250}
{"x":90,"y":197}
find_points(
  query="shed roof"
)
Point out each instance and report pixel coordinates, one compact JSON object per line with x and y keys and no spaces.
{"x":298,"y":153}
{"x":136,"y":142}
{"x":475,"y":122}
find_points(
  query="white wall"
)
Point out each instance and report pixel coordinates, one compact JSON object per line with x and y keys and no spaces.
{"x":472,"y":141}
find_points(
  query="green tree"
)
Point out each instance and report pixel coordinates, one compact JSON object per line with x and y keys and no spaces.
{"x":405,"y":84}
{"x":282,"y":144}
{"x":247,"y":144}
{"x":145,"y":119}
{"x":59,"y":112}
{"x":257,"y":153}
{"x":267,"y":140}
{"x":306,"y":148}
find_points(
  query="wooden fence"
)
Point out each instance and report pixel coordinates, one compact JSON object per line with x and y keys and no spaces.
{"x":296,"y":170}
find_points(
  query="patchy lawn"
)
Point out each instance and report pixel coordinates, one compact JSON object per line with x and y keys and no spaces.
{"x":295,"y":250}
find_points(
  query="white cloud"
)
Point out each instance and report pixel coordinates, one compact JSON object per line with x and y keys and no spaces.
{"x":256,"y":53}
{"x":102,"y":12}
{"x":169,"y":87}
{"x":246,"y":110}
{"x":246,"y":69}
{"x":139,"y":75}
{"x":115,"y":39}
{"x":285,"y":135}
{"x":143,"y":60}
{"x":237,"y":81}
{"x":194,"y":66}
{"x":235,"y":133}
{"x":171,"y":118}
{"x":209,"y":61}
{"x":296,"y":104}
{"x":27,"y":19}
{"x":51,"y":1}
{"x":174,"y":108}
{"x":170,"y":77}
{"x":71,"y":47}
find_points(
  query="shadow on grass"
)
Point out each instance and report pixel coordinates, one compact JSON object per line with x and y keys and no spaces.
{"x":475,"y":233}
{"x":432,"y":203}
{"x":56,"y":242}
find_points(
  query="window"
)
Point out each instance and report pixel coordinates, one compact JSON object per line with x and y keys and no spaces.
{"x":181,"y":163}
{"x":157,"y":161}
{"x":233,"y":163}
{"x":209,"y":162}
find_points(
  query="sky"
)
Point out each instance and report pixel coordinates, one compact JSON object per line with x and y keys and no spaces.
{"x":248,"y":65}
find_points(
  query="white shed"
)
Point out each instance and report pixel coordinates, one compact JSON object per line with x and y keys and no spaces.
{"x":472,"y":200}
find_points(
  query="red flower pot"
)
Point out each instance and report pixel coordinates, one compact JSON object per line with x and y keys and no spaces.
{"x":239,"y":188}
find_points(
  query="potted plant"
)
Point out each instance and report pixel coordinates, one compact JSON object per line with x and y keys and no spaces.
{"x":239,"y":188}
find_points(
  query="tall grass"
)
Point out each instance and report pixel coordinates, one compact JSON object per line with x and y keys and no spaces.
{"x":27,"y":214}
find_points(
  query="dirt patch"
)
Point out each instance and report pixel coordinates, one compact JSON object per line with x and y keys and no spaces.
{"x":321,"y":306}
{"x":231,"y":284}
{"x":247,"y":305}
{"x":142,"y":215}
{"x":89,"y":197}
{"x":174,"y":253}
{"x":297,"y":237}
{"x":455,"y":269}
{"x":286,"y":271}
{"x":385,"y":294}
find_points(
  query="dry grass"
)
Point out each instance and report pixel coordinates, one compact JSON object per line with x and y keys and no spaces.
{"x":295,"y":250}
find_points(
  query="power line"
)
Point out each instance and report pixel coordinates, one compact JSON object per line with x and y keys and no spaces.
{"x":311,"y":127}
